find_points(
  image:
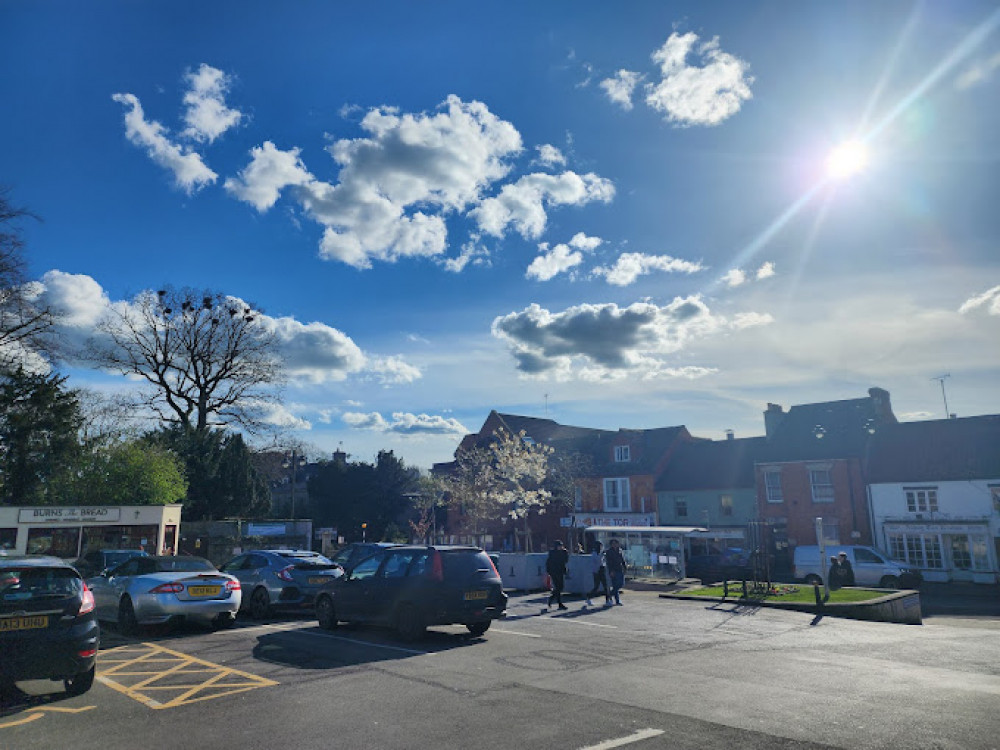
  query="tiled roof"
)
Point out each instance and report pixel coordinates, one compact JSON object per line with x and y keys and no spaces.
{"x":936,"y":450}
{"x":712,"y":464}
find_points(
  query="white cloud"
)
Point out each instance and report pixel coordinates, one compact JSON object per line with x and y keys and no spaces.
{"x":522,"y":204}
{"x":270,"y":171}
{"x":979,"y":73}
{"x":207,"y":116}
{"x":314,"y":352}
{"x":392,"y":181}
{"x":766,"y":271}
{"x":630,"y":266}
{"x":989,"y":300}
{"x":277,"y":415}
{"x":405,"y":423}
{"x":734,"y":277}
{"x":550,"y":156}
{"x":690,"y":95}
{"x":393,"y":370}
{"x":560,"y":258}
{"x":606,"y":341}
{"x":189,"y":171}
{"x":472,"y":252}
{"x":619,"y":88}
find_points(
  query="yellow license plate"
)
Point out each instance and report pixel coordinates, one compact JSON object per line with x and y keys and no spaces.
{"x":319,"y":579}
{"x":471,"y":595}
{"x":204,"y":590}
{"x":23,"y":623}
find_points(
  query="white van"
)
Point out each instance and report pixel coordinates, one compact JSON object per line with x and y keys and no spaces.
{"x":871,"y":567}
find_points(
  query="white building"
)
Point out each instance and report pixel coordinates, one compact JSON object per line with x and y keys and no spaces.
{"x":69,"y":532}
{"x":934,"y":496}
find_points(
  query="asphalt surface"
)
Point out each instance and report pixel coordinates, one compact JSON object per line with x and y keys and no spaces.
{"x":654,"y":673}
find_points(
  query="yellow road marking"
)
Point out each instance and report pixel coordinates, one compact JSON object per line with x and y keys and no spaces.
{"x":116,"y":673}
{"x":39,"y":712}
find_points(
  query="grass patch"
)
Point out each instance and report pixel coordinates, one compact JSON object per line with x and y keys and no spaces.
{"x":792,"y":593}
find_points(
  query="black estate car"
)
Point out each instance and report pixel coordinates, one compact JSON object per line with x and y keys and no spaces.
{"x":47,"y":624}
{"x":412,"y":587}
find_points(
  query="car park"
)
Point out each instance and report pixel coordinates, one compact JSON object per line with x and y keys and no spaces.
{"x":410,"y":588}
{"x":97,"y":560}
{"x":280,"y":578}
{"x":48,"y":629}
{"x":165,"y":589}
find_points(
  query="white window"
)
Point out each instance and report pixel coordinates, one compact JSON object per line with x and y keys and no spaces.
{"x":622,"y":454}
{"x":772,"y":482}
{"x":726,"y":502}
{"x":921,"y":499}
{"x":616,"y":496}
{"x":831,"y":531}
{"x":919,"y":550}
{"x":822,"y":485}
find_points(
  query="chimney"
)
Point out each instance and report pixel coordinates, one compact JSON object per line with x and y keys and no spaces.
{"x":339,"y":458}
{"x":772,"y":419}
{"x":730,"y":435}
{"x":882,"y":405}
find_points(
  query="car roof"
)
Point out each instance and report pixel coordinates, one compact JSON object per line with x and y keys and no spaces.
{"x":441,"y":547}
{"x":33,"y":561}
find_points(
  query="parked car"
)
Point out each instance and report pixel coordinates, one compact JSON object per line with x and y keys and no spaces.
{"x":280,"y":578}
{"x":719,"y":567}
{"x":355,"y":552}
{"x":47,"y":625}
{"x":412,"y":587}
{"x":97,"y":560}
{"x":155,"y":590}
{"x":871,"y":567}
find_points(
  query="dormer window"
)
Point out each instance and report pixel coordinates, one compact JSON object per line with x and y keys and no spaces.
{"x":622,"y":454}
{"x":528,"y":441}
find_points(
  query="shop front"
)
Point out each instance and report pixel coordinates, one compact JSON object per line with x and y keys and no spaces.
{"x":944,"y":551}
{"x":70,"y":532}
{"x":650,"y":551}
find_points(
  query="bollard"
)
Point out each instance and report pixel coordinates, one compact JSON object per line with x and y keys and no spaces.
{"x":725,"y":589}
{"x":819,"y":598}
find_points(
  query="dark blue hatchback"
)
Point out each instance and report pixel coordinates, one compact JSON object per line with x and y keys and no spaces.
{"x":47,"y":624}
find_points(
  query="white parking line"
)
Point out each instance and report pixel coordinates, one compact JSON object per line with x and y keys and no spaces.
{"x":363,"y":643}
{"x":642,"y":734}
{"x":515,"y":632}
{"x":581,"y":622}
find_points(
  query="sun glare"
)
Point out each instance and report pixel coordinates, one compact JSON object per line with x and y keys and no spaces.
{"x":847,"y":159}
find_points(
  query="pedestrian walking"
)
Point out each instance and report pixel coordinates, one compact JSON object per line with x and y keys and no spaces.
{"x":598,"y":566}
{"x":555,"y":565}
{"x":615,"y":561}
{"x":846,"y":570}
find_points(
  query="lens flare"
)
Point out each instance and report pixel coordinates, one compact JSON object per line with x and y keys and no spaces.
{"x":847,"y":159}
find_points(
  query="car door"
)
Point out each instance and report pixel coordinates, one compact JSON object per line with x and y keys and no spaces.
{"x":392,"y":584}
{"x":354,"y":591}
{"x":868,"y":567}
{"x":117,"y":582}
{"x":252,"y":573}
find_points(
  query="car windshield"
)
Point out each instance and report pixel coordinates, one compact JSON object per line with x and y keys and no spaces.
{"x":464,"y":562}
{"x":115,"y":557}
{"x":20,"y":585}
{"x":184,"y":564}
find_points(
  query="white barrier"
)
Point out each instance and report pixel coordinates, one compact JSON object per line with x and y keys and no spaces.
{"x":522,"y":571}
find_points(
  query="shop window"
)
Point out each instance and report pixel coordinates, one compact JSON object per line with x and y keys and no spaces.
{"x":57,"y":542}
{"x":8,"y":538}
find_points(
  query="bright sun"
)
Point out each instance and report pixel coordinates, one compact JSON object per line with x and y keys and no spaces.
{"x":847,"y":159}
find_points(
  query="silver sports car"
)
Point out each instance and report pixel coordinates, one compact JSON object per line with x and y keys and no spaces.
{"x":152,"y":590}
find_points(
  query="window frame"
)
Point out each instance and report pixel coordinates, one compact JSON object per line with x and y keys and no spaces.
{"x":622,"y":492}
{"x":921,"y":499}
{"x":623,"y":454}
{"x":681,"y":504}
{"x":773,"y":492}
{"x":821,"y":492}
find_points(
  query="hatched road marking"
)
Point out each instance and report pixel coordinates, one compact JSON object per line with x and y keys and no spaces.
{"x":37,"y":713}
{"x":144,"y":670}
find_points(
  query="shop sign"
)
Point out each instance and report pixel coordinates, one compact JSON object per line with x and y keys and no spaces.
{"x":935,"y":528}
{"x":68,"y":515}
{"x":612,"y":519}
{"x":265,"y":529}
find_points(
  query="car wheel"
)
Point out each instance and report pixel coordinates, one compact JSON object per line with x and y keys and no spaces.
{"x":478,"y":628}
{"x":814,"y":580}
{"x":260,"y":604}
{"x":223,"y":621}
{"x":127,"y":622}
{"x":889,"y":582}
{"x":410,"y":623}
{"x":325,"y":613}
{"x":81,"y":683}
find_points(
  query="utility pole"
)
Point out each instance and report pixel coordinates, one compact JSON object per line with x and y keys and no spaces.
{"x":940,"y":379}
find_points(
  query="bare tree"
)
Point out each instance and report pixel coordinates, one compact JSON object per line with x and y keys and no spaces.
{"x":24,"y":325}
{"x":207,"y":357}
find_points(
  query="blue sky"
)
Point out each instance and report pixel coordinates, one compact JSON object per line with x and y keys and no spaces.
{"x":611,"y":217}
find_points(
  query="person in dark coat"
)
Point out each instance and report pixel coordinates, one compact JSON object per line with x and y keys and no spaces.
{"x":835,"y":574}
{"x":615,"y":560}
{"x":555,"y":565}
{"x":846,"y":570}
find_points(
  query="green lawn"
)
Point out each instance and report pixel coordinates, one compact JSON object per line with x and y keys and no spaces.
{"x":796,"y":593}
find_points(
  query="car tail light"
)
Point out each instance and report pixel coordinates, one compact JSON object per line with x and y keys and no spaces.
{"x":285,"y":574}
{"x":87,"y":605}
{"x":167,"y":588}
{"x":87,"y":653}
{"x":437,"y":566}
{"x":232,"y":585}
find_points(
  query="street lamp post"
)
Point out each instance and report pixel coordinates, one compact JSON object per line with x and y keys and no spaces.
{"x":293,"y":461}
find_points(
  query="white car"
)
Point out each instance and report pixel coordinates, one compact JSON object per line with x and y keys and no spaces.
{"x":155,"y":590}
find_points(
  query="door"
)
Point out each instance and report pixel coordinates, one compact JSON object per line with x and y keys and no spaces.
{"x":961,"y":557}
{"x":354,"y":593}
{"x":392,"y":584}
{"x":114,"y":585}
